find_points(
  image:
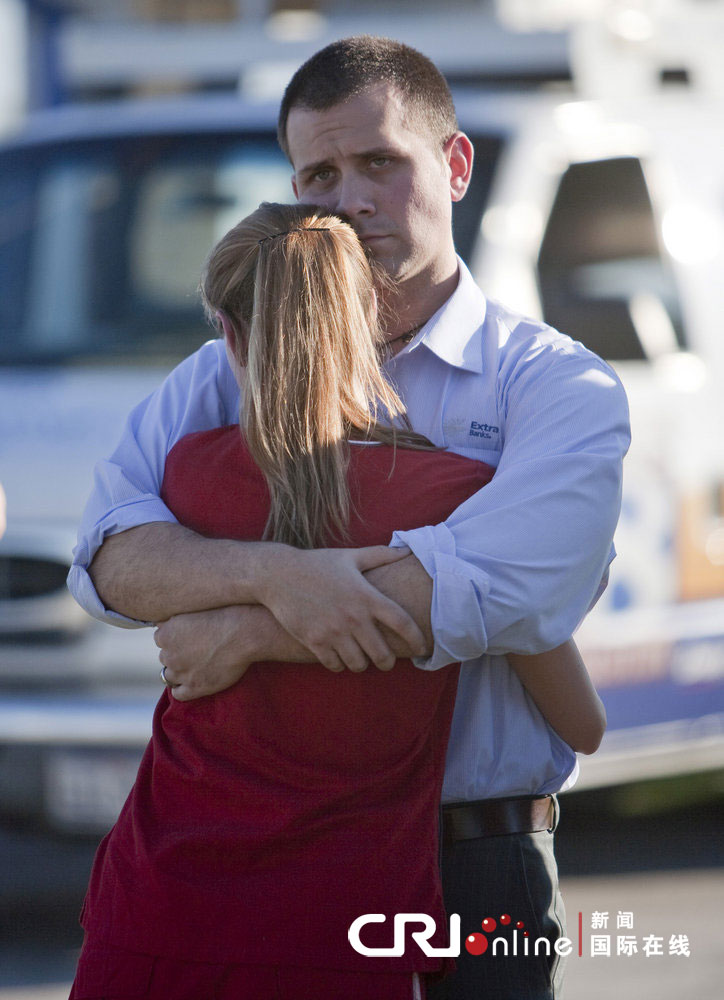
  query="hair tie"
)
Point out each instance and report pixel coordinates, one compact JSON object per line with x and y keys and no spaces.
{"x":299,"y":229}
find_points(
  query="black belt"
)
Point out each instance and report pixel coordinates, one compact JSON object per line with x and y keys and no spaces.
{"x":494,"y":817}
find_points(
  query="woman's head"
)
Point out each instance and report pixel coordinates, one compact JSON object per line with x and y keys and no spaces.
{"x":295,"y":293}
{"x":254,"y":262}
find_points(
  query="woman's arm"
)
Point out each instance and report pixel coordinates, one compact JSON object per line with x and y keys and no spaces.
{"x":559,"y":684}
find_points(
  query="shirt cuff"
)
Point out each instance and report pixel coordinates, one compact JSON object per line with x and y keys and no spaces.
{"x":143,"y":510}
{"x":458,"y":593}
{"x":82,"y":589}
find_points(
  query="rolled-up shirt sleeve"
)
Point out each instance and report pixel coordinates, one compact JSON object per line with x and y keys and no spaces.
{"x":198,"y":395}
{"x":518,"y":565}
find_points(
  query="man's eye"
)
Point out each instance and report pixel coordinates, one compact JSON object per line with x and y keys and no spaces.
{"x":380,"y":161}
{"x":322,"y":176}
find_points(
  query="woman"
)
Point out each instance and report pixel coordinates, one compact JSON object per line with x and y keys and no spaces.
{"x":265,"y":819}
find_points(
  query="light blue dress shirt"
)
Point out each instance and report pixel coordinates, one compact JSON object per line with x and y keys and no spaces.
{"x":515,"y":568}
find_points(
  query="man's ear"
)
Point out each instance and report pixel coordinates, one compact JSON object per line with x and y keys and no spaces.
{"x":294,"y":186}
{"x":458,"y":152}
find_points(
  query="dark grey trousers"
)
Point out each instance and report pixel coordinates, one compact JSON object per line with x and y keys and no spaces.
{"x":515,"y":875}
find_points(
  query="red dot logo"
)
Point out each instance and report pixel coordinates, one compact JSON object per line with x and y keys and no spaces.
{"x":476,"y":944}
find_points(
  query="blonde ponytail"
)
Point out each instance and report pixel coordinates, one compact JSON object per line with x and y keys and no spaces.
{"x":299,"y":291}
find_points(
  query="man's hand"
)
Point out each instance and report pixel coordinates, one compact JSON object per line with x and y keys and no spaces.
{"x":158,"y":571}
{"x":330,"y":608}
{"x":204,"y":652}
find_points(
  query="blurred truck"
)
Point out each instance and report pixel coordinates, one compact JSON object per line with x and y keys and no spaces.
{"x":606,"y":219}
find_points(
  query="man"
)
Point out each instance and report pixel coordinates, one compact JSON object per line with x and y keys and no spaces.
{"x":370,"y":130}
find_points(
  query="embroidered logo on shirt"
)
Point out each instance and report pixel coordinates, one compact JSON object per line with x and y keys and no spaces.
{"x":483,"y":430}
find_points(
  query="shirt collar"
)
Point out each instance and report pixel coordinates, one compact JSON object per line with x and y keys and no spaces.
{"x":454,"y":333}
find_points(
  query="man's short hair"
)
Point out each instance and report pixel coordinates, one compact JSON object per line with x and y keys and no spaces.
{"x":349,"y":66}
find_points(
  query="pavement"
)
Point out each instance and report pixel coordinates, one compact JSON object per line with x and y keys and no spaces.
{"x":653,"y":880}
{"x":662,"y":905}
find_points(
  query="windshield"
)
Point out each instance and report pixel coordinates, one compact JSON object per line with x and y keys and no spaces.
{"x":102,"y":242}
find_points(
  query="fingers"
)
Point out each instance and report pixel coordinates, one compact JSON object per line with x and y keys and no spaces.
{"x":161,"y":632}
{"x":201,"y":653}
{"x":397,"y":620}
{"x":184,"y":692}
{"x":356,"y":652}
{"x":352,"y":655}
{"x":179,"y":692}
{"x":165,"y":674}
{"x":359,"y":640}
{"x":165,"y":658}
{"x":375,"y":648}
{"x":329,"y":659}
{"x":378,"y":555}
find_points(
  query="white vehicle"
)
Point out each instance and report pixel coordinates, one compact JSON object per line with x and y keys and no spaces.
{"x":606,"y":220}
{"x":106,"y":216}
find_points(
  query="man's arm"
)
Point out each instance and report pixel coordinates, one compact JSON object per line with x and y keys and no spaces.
{"x":198,"y":395}
{"x":157,"y":570}
{"x":319,"y":596}
{"x":206,"y":652}
{"x":517,"y":566}
{"x":147,"y":567}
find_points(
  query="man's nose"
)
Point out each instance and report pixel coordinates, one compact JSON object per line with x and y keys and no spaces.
{"x":354,"y":198}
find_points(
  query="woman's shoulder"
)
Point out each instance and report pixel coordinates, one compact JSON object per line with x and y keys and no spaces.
{"x":397,"y":489}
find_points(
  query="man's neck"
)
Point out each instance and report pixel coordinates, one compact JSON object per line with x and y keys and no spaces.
{"x":414,"y":302}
